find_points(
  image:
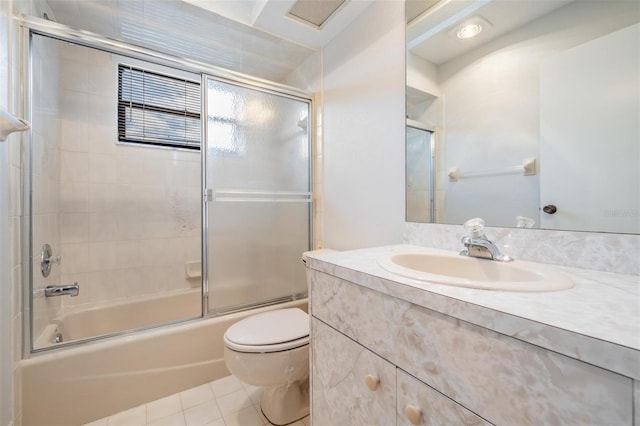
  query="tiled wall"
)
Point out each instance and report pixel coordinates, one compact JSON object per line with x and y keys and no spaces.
{"x":45,"y":176}
{"x":123,"y":219}
{"x":130,"y":215}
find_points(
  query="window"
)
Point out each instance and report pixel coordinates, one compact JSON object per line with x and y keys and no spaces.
{"x":156,"y":109}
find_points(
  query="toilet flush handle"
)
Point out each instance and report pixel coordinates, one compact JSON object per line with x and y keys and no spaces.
{"x":372,"y":381}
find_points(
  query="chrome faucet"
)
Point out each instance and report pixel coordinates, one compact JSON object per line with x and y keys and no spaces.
{"x":61,"y":290}
{"x":478,"y":245}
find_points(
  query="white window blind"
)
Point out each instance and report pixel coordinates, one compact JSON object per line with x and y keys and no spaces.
{"x":158,"y":109}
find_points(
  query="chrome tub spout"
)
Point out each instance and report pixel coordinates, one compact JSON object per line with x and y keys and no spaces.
{"x":61,"y":290}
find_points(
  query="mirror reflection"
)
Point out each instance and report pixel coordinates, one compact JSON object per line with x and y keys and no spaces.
{"x":534,"y":109}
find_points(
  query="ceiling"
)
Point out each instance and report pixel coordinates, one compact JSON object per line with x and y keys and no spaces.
{"x":432,"y":35}
{"x":254,"y":37}
{"x":271,"y":16}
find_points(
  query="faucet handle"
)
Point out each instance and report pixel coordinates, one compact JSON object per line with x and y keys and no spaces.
{"x":475,"y":227}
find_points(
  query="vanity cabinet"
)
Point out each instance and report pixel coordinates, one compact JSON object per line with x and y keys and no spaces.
{"x":350,"y":384}
{"x":420,"y":404}
{"x":458,"y":373}
{"x":353,"y":386}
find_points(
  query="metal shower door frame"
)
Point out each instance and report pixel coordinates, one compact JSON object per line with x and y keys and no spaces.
{"x":208,"y":193}
{"x":29,"y":26}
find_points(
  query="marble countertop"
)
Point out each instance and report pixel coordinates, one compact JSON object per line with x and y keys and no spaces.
{"x":597,"y":321}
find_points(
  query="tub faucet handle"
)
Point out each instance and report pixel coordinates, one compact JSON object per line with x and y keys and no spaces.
{"x":47,"y":259}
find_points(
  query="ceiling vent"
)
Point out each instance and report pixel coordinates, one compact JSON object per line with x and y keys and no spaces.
{"x":315,"y":12}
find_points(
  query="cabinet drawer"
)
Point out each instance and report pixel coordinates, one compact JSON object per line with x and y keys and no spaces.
{"x":339,"y":389}
{"x":503,"y":379}
{"x":435,"y":409}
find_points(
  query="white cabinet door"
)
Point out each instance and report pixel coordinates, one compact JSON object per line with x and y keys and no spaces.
{"x":351,"y":385}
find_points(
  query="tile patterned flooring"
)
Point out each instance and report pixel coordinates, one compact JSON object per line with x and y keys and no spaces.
{"x":223,"y":402}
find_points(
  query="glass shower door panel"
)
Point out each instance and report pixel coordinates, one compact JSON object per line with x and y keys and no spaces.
{"x":258,"y":174}
{"x":419,"y":176}
{"x":122,"y":221}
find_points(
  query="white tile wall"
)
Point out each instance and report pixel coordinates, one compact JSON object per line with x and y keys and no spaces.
{"x":47,"y":162}
{"x":130,"y":215}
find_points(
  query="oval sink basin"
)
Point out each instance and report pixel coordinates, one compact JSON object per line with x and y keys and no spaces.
{"x":464,"y":271}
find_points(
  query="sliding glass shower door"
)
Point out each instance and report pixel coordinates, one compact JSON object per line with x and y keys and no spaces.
{"x":258,"y":195}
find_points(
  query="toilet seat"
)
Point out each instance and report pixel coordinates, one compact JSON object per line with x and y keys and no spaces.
{"x":272,"y":331}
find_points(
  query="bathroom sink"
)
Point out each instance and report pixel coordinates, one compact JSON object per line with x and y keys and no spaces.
{"x":463,"y":271}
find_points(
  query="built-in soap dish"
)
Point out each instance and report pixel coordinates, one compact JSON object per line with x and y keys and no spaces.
{"x":194,"y":269}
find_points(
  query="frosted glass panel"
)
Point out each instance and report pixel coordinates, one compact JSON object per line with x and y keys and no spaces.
{"x":419,"y":175}
{"x":258,"y":172}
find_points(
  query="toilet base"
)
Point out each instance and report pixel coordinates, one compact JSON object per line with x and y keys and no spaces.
{"x":287,"y":403}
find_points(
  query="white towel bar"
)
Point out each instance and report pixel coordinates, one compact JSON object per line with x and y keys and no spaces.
{"x":528,"y":168}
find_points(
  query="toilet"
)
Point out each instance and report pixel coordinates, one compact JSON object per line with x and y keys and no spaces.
{"x":271,"y":349}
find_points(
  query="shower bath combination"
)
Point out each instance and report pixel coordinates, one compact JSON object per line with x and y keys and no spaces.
{"x":114,"y":228}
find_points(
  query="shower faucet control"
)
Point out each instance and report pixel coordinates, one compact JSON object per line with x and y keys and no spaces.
{"x":61,"y":290}
{"x":47,"y":260}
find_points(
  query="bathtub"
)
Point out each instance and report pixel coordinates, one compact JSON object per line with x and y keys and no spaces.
{"x":86,"y":321}
{"x":77,"y":385}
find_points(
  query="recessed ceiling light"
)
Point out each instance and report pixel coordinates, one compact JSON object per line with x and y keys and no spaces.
{"x":470,"y":27}
{"x":469,"y":31}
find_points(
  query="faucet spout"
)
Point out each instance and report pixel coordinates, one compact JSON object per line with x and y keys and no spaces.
{"x":61,"y":290}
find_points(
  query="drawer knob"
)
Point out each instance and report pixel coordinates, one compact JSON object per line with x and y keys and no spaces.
{"x":413,"y":414}
{"x":372,"y":381}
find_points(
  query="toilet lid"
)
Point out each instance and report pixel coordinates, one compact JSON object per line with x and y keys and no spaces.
{"x":271,"y":331}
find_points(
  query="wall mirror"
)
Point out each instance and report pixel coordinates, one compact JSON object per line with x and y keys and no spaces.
{"x":531,"y":110}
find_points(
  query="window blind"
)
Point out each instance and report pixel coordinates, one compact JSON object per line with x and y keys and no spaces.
{"x":158,"y":109}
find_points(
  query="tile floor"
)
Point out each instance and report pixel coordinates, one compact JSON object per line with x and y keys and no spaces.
{"x":224,"y":402}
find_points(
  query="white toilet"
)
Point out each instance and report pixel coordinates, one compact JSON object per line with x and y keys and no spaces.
{"x":271,"y":349}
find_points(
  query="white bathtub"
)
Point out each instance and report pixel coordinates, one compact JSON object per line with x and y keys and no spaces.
{"x":76,"y":385}
{"x":86,"y":321}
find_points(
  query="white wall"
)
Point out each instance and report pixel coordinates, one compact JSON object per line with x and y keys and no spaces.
{"x":363,"y":118}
